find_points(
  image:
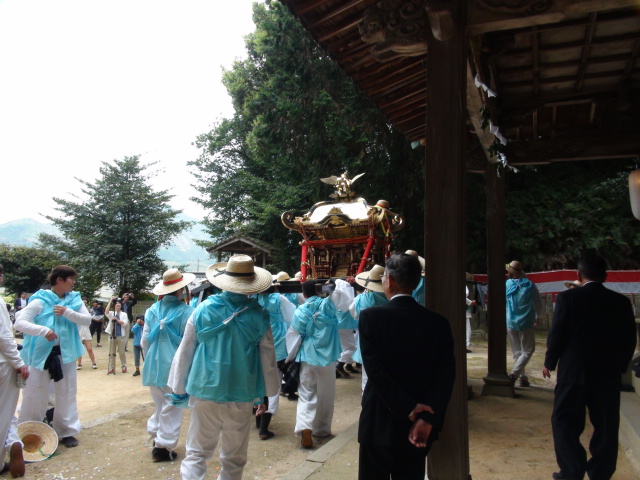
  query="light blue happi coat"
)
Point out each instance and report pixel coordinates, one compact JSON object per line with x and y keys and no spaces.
{"x":418,"y":293}
{"x":520,"y":311}
{"x":166,"y":321}
{"x":271,"y":303}
{"x":362,"y":301}
{"x":226,"y":364}
{"x":36,"y":349}
{"x":316,"y":321}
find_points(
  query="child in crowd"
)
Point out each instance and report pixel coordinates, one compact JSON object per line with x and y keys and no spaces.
{"x":137,"y":336}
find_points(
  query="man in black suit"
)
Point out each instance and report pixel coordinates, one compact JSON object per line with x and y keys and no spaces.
{"x":591,"y":340}
{"x":408,"y":355}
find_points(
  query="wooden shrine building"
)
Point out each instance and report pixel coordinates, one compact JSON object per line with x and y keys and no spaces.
{"x":550,"y":80}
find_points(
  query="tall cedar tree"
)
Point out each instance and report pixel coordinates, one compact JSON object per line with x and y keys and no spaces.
{"x":113,"y":236}
{"x":298,"y":118}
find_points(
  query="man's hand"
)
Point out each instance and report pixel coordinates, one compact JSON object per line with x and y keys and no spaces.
{"x":262,"y":408}
{"x":546,"y":373}
{"x":23,"y":371}
{"x":419,"y":433}
{"x":51,"y":335}
{"x":418,"y":409}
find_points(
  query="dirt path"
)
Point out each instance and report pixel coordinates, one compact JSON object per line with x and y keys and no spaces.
{"x":509,"y":438}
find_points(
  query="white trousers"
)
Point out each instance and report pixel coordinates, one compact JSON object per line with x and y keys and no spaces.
{"x":274,"y":402}
{"x":317,"y":392}
{"x":8,"y":400}
{"x":523,"y":344}
{"x":210,"y":420}
{"x":349,"y":346}
{"x":35,"y":400}
{"x":468,"y":330}
{"x":165,"y":422}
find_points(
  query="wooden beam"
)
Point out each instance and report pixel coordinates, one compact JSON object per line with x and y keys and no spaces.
{"x":566,"y":79}
{"x":586,"y":52}
{"x":592,"y":145}
{"x":334,"y":12}
{"x":445,"y":220}
{"x":496,"y":382}
{"x":482,"y":19}
{"x":553,"y":47}
{"x":338,"y":29}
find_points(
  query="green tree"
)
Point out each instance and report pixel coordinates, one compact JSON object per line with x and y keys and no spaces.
{"x":298,"y":118}
{"x":113,"y":236}
{"x":557,"y":212}
{"x":26,"y":268}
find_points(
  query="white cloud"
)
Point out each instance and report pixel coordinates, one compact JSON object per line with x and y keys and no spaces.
{"x":86,"y":81}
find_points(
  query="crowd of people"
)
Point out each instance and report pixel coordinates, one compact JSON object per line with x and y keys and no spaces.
{"x":230,"y":357}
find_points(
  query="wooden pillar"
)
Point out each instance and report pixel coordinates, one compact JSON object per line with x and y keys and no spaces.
{"x":496,"y":382}
{"x":445,"y":215}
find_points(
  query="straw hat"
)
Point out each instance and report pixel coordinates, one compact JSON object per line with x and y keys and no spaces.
{"x":573,"y":284}
{"x":516,"y":268}
{"x":239,"y":275}
{"x":372,"y":279}
{"x":298,"y":275}
{"x":415,"y":254}
{"x":383,"y":204}
{"x":172,"y":280}
{"x":281,"y":277}
{"x":39,"y":441}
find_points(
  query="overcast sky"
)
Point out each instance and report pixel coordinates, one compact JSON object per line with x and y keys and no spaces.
{"x":87,"y":81}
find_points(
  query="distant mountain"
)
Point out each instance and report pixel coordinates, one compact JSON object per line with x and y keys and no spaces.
{"x":183,"y":250}
{"x":24,"y":231}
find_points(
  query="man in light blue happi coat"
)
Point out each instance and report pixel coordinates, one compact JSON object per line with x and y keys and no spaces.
{"x":523,"y":309}
{"x":372,"y":296}
{"x":51,"y":347}
{"x":225,"y":364}
{"x":164,"y":327}
{"x":316,"y":321}
{"x":280,"y":315}
{"x":418,"y":293}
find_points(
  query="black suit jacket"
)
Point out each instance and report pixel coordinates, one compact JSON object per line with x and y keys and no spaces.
{"x":592,"y":337}
{"x":407,"y":352}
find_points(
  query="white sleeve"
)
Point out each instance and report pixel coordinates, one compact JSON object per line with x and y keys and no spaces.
{"x":8,"y":347}
{"x":342,"y":296}
{"x":269,"y":366}
{"x":82,"y":317}
{"x":287,"y":309}
{"x":182,"y":360}
{"x":144,"y":344}
{"x":24,"y":322}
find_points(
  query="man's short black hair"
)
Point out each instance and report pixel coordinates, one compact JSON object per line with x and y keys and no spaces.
{"x":139,"y":317}
{"x":593,"y":267}
{"x":405,"y":270}
{"x":309,"y":288}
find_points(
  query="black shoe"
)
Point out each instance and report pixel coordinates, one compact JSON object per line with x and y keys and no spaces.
{"x":136,"y":373}
{"x":70,"y":442}
{"x":558,"y":476}
{"x":264,"y":433}
{"x":292,"y":397}
{"x":161,"y":454}
{"x":341,"y":372}
{"x":349,"y":368}
{"x":469,"y":351}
